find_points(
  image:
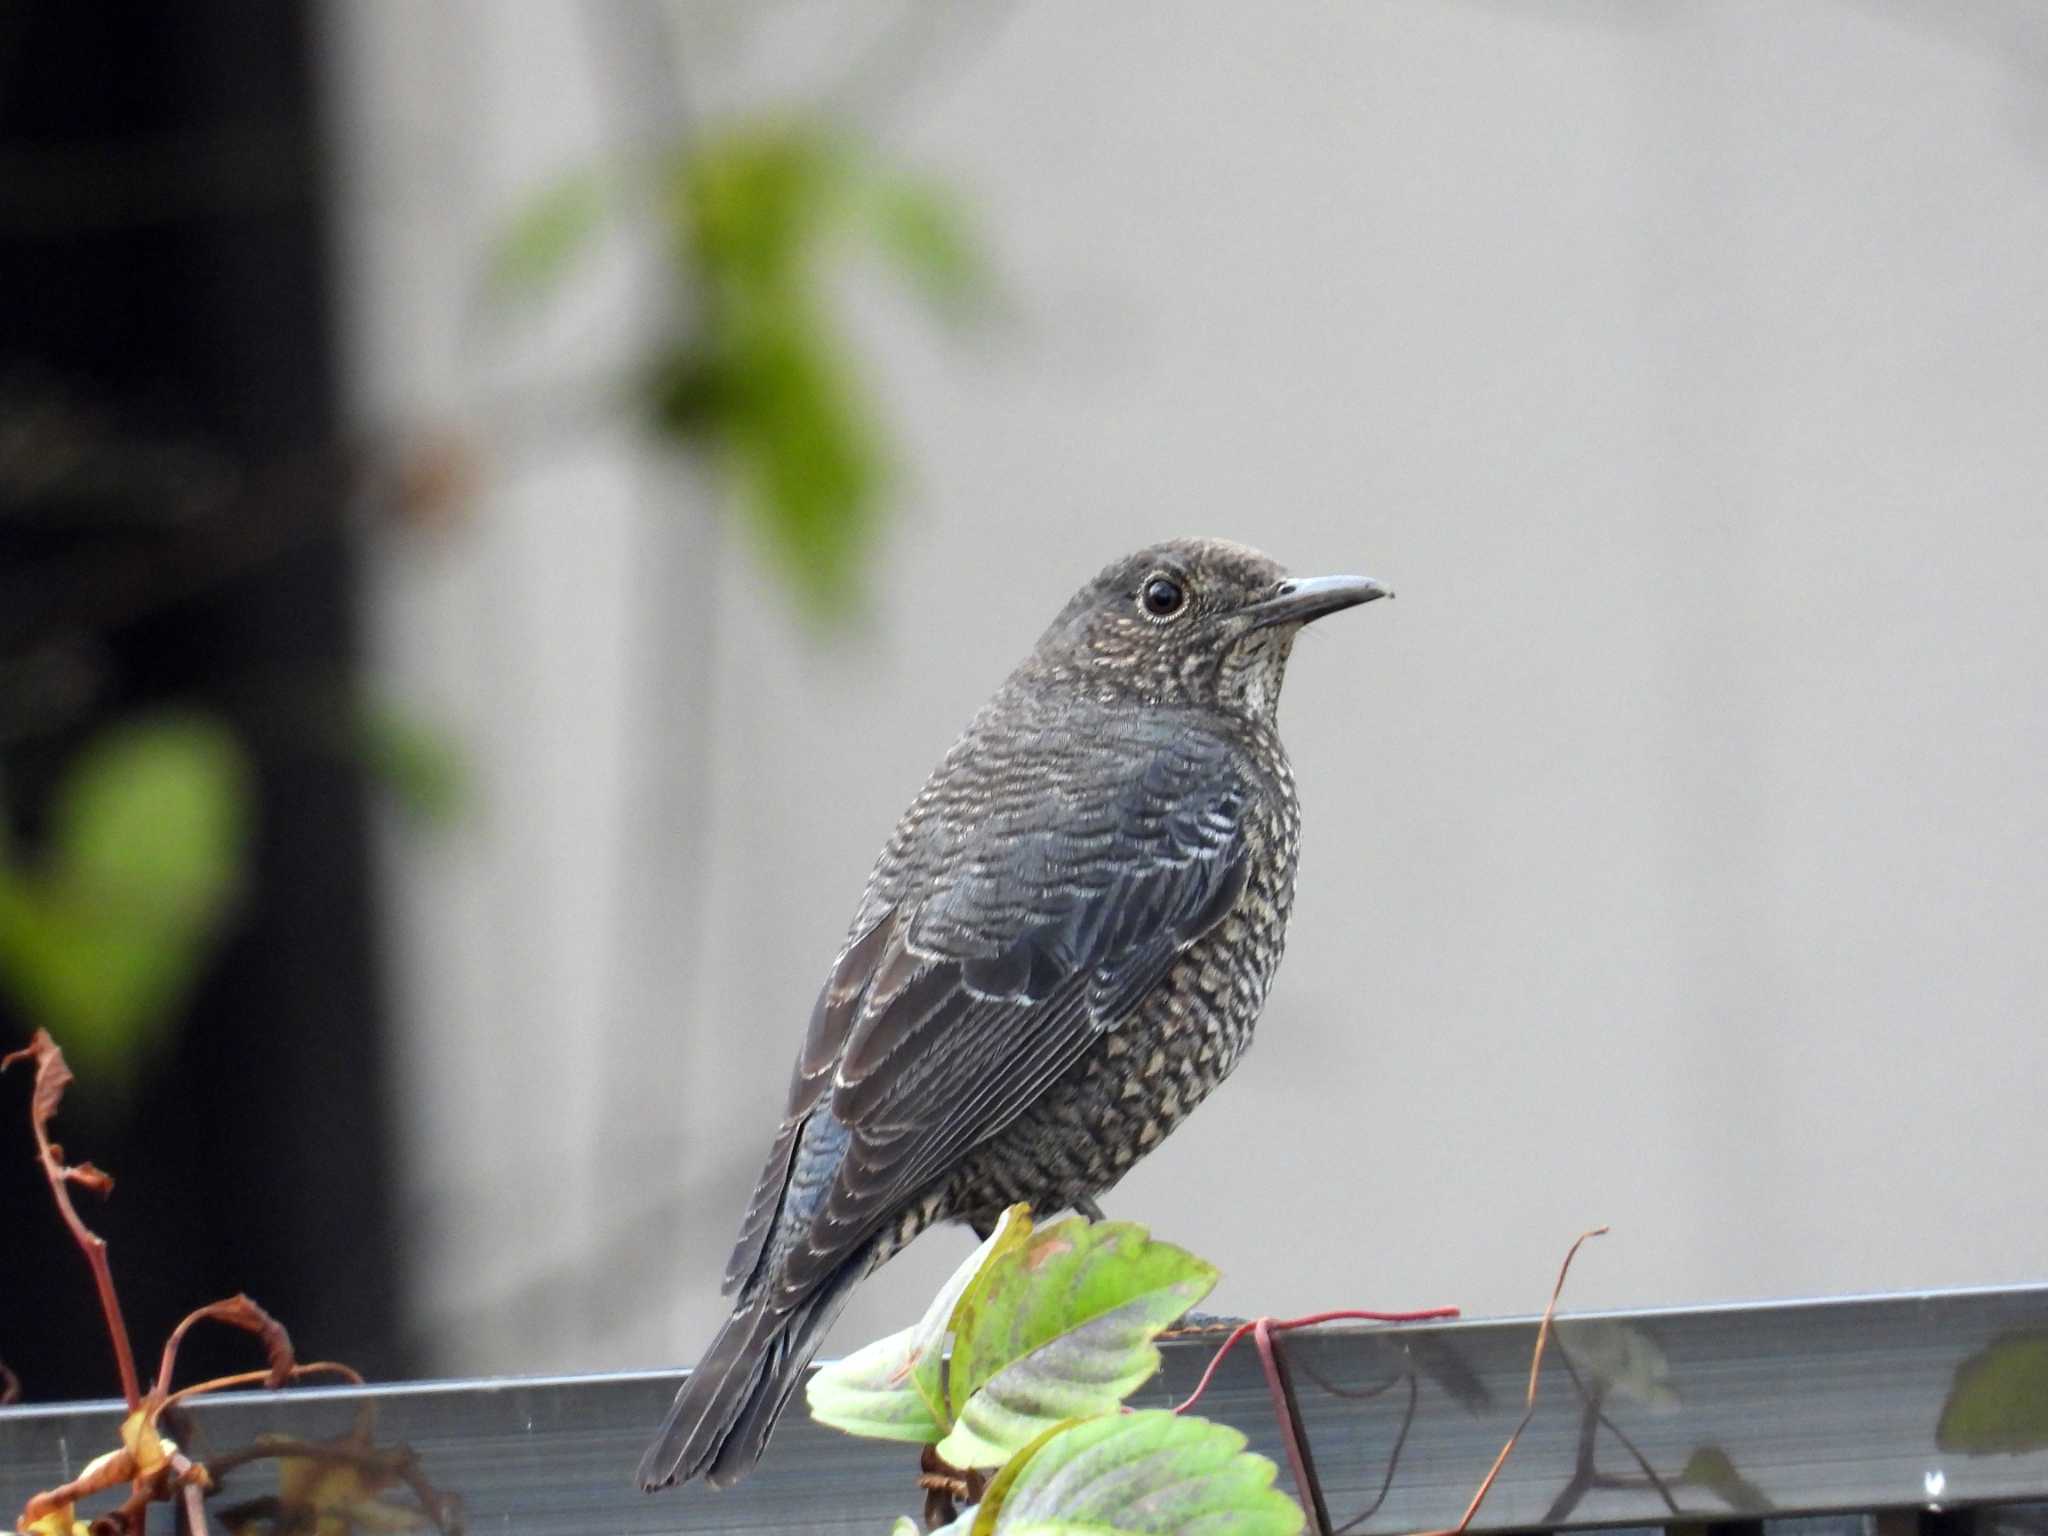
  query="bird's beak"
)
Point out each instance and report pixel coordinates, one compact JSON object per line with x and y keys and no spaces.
{"x":1303,"y":598}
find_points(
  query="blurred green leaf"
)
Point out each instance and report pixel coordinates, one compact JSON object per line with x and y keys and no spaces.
{"x":778,"y":411}
{"x":893,"y":1389}
{"x":759,"y":376}
{"x":1998,"y":1403}
{"x":924,"y":231}
{"x":752,"y":371}
{"x":146,"y":854}
{"x":763,"y":381}
{"x":1152,"y":1473}
{"x":154,"y":813}
{"x":418,"y":762}
{"x":547,"y":237}
{"x":1061,"y":1327}
{"x":748,"y":205}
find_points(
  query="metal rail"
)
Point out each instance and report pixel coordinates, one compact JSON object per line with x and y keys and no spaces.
{"x":1881,"y":1414}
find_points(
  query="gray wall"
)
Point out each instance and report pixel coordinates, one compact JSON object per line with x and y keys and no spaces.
{"x":1675,"y":844}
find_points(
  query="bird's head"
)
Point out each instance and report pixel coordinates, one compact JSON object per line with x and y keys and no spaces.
{"x":1191,"y":621}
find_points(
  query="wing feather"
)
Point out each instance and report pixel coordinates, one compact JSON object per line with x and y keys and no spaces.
{"x":955,"y":1007}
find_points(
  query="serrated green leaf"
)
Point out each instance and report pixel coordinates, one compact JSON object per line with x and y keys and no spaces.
{"x":870,"y":1393}
{"x":1998,"y":1401}
{"x":146,"y":855}
{"x":1012,"y":1231}
{"x":1153,"y":1473}
{"x":893,"y":1388}
{"x":999,"y":1486}
{"x":1061,"y":1327}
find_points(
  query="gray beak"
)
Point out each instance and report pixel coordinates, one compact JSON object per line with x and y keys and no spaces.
{"x":1304,"y":598}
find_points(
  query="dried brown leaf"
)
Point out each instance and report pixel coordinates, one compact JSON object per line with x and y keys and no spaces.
{"x":101,"y":1473}
{"x":86,"y":1176}
{"x":52,"y":1075}
{"x":148,"y":1461}
{"x":237,"y":1312}
{"x":61,"y":1520}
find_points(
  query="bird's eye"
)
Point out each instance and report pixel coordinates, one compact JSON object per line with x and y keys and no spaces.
{"x":1163,"y":597}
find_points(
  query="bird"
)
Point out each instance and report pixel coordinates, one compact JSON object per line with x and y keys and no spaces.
{"x":1062,"y":948}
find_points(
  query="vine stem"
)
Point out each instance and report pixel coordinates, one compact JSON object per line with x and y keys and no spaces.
{"x":52,"y":1078}
{"x":1263,"y":1328}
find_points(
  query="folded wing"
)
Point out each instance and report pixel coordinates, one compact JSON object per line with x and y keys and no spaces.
{"x":952,"y":1009}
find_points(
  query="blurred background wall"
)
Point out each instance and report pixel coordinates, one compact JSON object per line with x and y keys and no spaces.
{"x":1674,"y":847}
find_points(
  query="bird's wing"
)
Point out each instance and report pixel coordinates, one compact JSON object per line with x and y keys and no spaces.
{"x":948,"y":1015}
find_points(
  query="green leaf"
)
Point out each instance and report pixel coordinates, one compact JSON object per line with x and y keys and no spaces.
{"x":808,"y":460}
{"x":154,"y":814}
{"x":748,"y":205}
{"x":1998,"y":1402}
{"x":870,"y":1393}
{"x":548,"y":234}
{"x":761,"y":378}
{"x":1153,"y":1473}
{"x":417,"y":762}
{"x":1061,"y":1327}
{"x":923,"y":230}
{"x":146,"y":855}
{"x":892,"y":1389}
{"x":983,"y":1515}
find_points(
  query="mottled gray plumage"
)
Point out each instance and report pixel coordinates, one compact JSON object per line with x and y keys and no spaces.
{"x":1061,"y":950}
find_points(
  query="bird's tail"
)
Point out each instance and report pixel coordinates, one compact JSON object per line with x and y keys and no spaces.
{"x":726,"y":1408}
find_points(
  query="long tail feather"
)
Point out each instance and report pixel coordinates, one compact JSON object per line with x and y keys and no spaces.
{"x":719,"y":1423}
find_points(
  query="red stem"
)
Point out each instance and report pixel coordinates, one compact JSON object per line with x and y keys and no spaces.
{"x":95,"y":1249}
{"x":1285,"y":1325}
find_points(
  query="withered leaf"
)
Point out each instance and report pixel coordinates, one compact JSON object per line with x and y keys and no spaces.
{"x":238,"y":1311}
{"x":98,"y":1180}
{"x":52,"y":1075}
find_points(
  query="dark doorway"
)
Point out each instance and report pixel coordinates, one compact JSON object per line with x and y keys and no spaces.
{"x":172,"y":538}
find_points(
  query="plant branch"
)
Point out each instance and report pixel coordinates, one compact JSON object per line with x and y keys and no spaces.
{"x":1529,"y":1403}
{"x":1273,"y":1325}
{"x":52,"y":1078}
